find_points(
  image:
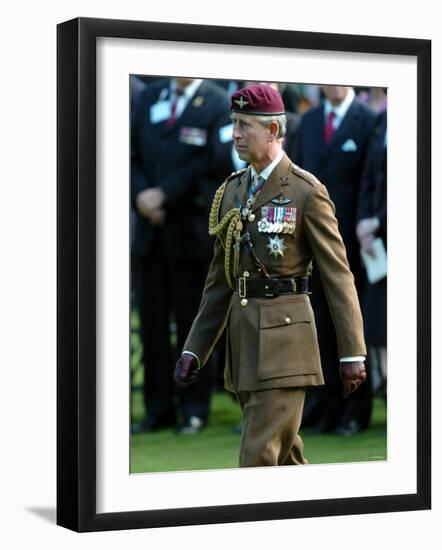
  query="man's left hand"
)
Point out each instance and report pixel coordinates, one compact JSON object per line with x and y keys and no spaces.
{"x":367,"y":226}
{"x":367,"y":244}
{"x":353,"y":374}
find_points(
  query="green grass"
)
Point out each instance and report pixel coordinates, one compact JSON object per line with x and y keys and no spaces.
{"x":217,"y":447}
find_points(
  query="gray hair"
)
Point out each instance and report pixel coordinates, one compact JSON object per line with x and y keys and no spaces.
{"x":266,"y":120}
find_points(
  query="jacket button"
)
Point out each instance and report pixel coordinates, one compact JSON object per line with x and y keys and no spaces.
{"x":288,"y":320}
{"x":244,"y":302}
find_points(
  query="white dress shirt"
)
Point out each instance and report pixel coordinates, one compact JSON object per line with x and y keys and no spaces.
{"x":187,"y":95}
{"x":340,"y":110}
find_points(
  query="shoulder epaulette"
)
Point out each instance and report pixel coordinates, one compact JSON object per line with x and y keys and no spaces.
{"x":217,"y":199}
{"x":233,"y":175}
{"x":306,"y":176}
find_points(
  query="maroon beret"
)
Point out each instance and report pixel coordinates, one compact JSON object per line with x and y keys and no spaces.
{"x":257,"y":100}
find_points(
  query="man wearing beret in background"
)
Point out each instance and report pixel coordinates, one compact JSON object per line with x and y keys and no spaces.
{"x":271,"y":219}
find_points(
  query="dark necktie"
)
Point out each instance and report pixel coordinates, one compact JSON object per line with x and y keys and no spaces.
{"x":329,"y":129}
{"x":171,"y":120}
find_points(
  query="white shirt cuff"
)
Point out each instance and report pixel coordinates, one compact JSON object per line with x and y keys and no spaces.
{"x":355,"y":358}
{"x":196,"y":356}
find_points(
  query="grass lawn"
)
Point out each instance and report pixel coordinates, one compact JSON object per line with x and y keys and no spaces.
{"x":218,"y":447}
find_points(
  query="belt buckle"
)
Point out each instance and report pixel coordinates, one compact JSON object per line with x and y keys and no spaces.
{"x":272,"y":289}
{"x":242,"y":287}
{"x":294,"y":285}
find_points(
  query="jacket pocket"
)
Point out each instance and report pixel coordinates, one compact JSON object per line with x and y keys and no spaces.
{"x":287,"y":340}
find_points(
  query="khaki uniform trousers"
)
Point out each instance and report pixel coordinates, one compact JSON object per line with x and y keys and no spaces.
{"x":271,"y":421}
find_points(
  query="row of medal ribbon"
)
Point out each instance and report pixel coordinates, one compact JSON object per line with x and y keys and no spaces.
{"x":277,"y":220}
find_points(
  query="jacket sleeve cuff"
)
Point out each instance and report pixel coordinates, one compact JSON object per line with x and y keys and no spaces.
{"x":196,"y":356}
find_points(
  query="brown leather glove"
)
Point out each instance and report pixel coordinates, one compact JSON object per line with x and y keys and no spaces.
{"x":186,"y":370}
{"x":352,"y":375}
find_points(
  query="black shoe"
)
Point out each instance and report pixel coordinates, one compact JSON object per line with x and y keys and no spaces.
{"x":192,"y":425}
{"x":152,"y":424}
{"x":322,"y":427}
{"x":349,"y":428}
{"x":315,"y":430}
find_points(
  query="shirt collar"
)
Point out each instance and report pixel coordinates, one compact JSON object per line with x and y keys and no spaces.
{"x":342,"y":108}
{"x":265,"y":174}
{"x":189,"y":91}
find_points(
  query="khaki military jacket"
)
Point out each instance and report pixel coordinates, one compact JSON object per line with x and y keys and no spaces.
{"x":272,"y":342}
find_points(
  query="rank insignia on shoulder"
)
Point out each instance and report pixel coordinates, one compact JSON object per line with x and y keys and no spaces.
{"x":306,"y":176}
{"x":233,"y":175}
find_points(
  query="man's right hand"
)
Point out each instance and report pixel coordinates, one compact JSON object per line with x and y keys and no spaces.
{"x":186,"y":370}
{"x":149,"y":202}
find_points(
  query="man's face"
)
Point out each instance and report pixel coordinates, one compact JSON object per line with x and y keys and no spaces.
{"x":250,"y":137}
{"x":335,"y":94}
{"x":182,"y":83}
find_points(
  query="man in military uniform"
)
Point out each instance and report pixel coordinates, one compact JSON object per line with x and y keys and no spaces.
{"x":271,"y":220}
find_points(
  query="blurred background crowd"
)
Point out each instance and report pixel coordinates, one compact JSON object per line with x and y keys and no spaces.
{"x":181,"y":151}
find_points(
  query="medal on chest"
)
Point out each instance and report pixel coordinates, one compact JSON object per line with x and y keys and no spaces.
{"x":276,"y":246}
{"x":246,"y":211}
{"x":277,"y":220}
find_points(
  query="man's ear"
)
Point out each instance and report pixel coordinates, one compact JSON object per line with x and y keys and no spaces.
{"x":274,"y":129}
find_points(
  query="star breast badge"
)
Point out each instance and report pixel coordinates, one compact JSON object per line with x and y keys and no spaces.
{"x":241,"y":102}
{"x":276,"y":246}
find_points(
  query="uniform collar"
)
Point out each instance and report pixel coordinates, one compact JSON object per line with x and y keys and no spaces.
{"x":274,"y":186}
{"x":265,"y":174}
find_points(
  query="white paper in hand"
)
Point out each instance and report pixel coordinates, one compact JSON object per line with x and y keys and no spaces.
{"x":376,"y":266}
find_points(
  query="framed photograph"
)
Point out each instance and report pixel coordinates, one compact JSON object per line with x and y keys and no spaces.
{"x":100,"y":486}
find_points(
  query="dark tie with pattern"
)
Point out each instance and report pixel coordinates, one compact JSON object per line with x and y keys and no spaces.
{"x":257,"y":183}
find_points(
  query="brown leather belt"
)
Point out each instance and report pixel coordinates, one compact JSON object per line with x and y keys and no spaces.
{"x":246,"y":287}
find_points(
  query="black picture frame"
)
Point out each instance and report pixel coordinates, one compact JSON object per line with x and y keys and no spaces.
{"x":77,"y":287}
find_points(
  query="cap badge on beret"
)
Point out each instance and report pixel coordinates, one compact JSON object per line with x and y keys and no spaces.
{"x":241,"y":102}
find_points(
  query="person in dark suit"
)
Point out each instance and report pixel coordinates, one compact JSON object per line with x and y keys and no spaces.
{"x":372,"y":224}
{"x":137,"y":85}
{"x":171,"y":188}
{"x":332,"y":144}
{"x":291,"y":97}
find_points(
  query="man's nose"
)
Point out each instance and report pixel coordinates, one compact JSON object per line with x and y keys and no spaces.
{"x":235,"y":132}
